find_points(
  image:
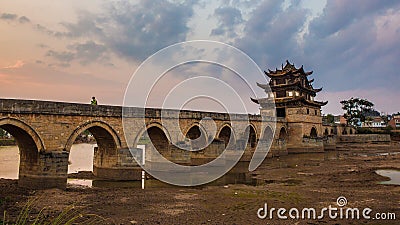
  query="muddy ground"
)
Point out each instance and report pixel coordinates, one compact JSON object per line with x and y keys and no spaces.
{"x":309,"y":180}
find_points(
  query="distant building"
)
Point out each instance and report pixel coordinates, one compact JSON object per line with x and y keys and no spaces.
{"x":375,"y":121}
{"x":339,"y":120}
{"x":342,"y":120}
{"x":395,"y":122}
{"x":336,"y":119}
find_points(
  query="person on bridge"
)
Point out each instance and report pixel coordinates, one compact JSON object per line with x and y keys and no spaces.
{"x":94,"y":101}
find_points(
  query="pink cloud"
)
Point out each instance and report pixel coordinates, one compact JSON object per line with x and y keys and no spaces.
{"x":16,"y":65}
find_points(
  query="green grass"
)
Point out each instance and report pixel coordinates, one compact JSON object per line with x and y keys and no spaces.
{"x":69,"y":215}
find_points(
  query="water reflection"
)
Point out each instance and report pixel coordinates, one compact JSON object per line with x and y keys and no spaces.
{"x":394,"y":176}
{"x":9,"y":162}
{"x":238,"y":175}
{"x":80,"y":182}
{"x":81,"y":157}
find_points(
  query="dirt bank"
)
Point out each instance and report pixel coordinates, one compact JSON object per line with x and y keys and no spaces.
{"x":282,"y":182}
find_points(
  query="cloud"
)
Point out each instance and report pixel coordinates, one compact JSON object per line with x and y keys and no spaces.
{"x":85,"y":53}
{"x":14,"y":17}
{"x":228,"y":20}
{"x":24,"y":19}
{"x":8,"y":16}
{"x":129,"y":30}
{"x":87,"y":25}
{"x":357,"y":43}
{"x":341,"y":14}
{"x":63,"y":56}
{"x":349,"y":44}
{"x":41,"y":45}
{"x":271,"y":33}
{"x":16,"y":65}
{"x":89,"y":52}
{"x":138,"y":30}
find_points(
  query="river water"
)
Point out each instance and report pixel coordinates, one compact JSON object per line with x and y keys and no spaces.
{"x":394,"y":176}
{"x":80,"y":159}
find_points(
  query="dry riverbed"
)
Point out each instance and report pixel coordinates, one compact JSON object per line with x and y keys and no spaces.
{"x":311,"y":182}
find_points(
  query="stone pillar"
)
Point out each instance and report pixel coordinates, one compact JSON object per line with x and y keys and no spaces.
{"x":50,"y":171}
{"x":278,"y":148}
{"x":116,"y":167}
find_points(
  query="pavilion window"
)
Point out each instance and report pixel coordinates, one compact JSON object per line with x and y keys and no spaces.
{"x":280,"y":81}
{"x":280,"y":112}
{"x":281,"y":94}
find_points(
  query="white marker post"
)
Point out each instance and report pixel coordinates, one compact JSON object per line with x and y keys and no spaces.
{"x":143,"y":147}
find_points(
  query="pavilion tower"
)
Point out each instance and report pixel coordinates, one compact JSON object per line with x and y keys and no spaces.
{"x":296,"y":107}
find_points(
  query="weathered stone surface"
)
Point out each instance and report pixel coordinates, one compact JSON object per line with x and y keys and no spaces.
{"x":364,"y":142}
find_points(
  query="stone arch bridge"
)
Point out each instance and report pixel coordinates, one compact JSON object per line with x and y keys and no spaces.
{"x":45,"y":132}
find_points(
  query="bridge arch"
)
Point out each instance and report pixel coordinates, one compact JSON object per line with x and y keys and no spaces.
{"x":194,"y":134}
{"x":252,"y":135}
{"x":227,"y":134}
{"x":29,"y":144}
{"x":313,"y":132}
{"x":283,"y":134}
{"x":157,"y":137}
{"x":268,"y":135}
{"x":22,"y":132}
{"x":149,"y":126}
{"x":326,"y":133}
{"x":105,"y":135}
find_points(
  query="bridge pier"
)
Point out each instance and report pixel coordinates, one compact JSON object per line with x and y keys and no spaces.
{"x":119,"y":167}
{"x":48,"y":171}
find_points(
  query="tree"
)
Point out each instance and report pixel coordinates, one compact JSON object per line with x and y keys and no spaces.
{"x":385,"y":118}
{"x":2,"y":133}
{"x":356,"y":109}
{"x":330,"y":118}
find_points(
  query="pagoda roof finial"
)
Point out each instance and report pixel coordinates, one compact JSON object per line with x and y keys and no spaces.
{"x":288,"y":66}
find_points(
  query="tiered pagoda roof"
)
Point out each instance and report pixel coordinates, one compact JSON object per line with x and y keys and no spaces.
{"x":288,"y":69}
{"x":291,"y":87}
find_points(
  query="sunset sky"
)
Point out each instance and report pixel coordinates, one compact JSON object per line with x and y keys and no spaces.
{"x":72,"y":50}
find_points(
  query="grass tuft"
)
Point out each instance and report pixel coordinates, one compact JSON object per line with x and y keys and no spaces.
{"x":70,"y":215}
